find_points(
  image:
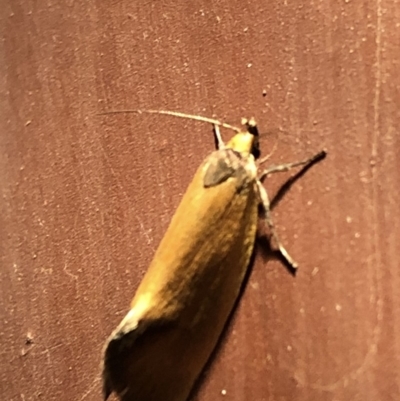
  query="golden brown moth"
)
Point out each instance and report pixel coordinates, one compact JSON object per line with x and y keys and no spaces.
{"x":184,"y":300}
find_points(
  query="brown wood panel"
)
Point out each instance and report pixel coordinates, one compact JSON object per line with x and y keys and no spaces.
{"x":85,"y":198}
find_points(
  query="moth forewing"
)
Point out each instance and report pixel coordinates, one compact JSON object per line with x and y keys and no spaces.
{"x":189,"y":290}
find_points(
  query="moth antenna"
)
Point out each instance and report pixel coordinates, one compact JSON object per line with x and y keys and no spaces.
{"x":266,"y":158}
{"x":176,"y":114}
{"x":218,"y":138}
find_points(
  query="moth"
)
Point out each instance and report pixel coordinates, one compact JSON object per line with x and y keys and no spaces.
{"x":184,"y":300}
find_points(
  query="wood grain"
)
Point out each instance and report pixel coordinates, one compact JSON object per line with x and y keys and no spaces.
{"x":85,"y":199}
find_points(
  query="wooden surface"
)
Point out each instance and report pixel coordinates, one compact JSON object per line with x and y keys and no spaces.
{"x":86,"y":198}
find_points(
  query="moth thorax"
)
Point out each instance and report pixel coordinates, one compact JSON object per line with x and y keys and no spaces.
{"x":242,"y":142}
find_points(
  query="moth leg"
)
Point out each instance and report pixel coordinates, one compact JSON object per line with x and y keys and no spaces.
{"x":288,"y":166}
{"x":218,"y":138}
{"x":267,"y":210}
{"x":267,"y":204}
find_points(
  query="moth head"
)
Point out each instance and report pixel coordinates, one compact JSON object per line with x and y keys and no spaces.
{"x":247,"y":141}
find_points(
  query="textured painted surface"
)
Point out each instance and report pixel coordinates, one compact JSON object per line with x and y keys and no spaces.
{"x":85,"y":199}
